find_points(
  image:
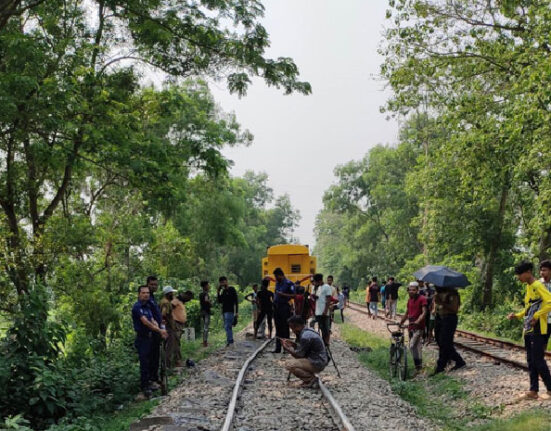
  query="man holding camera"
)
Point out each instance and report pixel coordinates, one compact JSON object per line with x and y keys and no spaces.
{"x":310,"y":355}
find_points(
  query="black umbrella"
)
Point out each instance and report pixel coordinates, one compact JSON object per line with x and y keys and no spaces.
{"x":442,"y":276}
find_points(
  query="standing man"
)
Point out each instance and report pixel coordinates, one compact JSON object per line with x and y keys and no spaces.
{"x":172,"y":343}
{"x":391,"y":291}
{"x":284,"y":292}
{"x":153,"y":285}
{"x":227,"y":296}
{"x":383,"y":296}
{"x":416,"y":312}
{"x":323,"y":301}
{"x":179,"y":319}
{"x":205,"y":304}
{"x":346,"y":292}
{"x":251,"y":297}
{"x":373,"y":291}
{"x":537,"y":303}
{"x":334,"y":298}
{"x":265,"y":299}
{"x":428,"y":292}
{"x":341,"y":304}
{"x":447,"y":305}
{"x":145,"y":326}
{"x":310,"y":354}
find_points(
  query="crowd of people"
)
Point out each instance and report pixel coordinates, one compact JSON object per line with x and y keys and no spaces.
{"x":431,"y":313}
{"x":155,"y":321}
{"x":288,"y":308}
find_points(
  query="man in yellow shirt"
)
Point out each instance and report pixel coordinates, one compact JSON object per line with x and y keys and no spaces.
{"x":537,"y":303}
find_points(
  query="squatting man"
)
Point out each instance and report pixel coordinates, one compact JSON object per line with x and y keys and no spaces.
{"x":310,"y":355}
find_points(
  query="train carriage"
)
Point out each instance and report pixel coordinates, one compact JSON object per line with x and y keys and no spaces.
{"x":293,"y":259}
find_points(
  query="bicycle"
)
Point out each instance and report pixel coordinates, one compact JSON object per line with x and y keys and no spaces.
{"x":398,"y":358}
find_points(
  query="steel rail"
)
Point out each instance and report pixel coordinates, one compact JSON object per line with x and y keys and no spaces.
{"x":344,"y":425}
{"x":239,"y":384}
{"x":505,"y":345}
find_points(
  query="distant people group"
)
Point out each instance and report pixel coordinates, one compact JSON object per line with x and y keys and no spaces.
{"x":428,"y":309}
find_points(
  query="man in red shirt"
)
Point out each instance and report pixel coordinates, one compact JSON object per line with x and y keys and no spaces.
{"x":416,"y":312}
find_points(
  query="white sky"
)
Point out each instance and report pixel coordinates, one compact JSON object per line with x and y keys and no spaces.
{"x":300,"y":139}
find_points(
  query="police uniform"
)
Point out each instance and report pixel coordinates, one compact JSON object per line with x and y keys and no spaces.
{"x":144,"y":340}
{"x":155,"y":354}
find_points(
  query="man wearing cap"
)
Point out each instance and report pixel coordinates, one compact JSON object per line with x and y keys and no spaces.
{"x":145,"y":326}
{"x":416,"y":312}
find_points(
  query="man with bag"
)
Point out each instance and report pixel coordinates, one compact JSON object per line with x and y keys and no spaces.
{"x":537,"y":303}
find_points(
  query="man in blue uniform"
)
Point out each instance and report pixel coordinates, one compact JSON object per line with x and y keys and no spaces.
{"x":145,"y":326}
{"x":284,"y":292}
{"x":154,"y":360}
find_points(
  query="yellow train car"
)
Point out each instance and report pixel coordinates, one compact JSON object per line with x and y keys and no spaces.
{"x":293,"y":259}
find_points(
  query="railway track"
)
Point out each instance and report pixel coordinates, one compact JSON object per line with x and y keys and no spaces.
{"x":262,"y":399}
{"x":498,"y":350}
{"x":246,"y":389}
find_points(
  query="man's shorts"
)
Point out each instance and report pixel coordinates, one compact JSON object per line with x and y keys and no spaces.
{"x":323,"y":323}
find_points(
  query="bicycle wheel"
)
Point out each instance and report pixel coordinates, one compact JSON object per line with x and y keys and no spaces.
{"x":392,"y":361}
{"x":402,"y":363}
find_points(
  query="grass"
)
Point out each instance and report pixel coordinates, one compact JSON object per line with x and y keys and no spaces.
{"x":121,"y":420}
{"x":442,"y":398}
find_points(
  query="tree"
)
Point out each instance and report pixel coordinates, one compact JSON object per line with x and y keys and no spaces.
{"x":476,"y":63}
{"x":72,"y":104}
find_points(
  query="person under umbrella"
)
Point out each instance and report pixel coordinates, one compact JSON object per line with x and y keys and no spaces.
{"x":447,"y":303}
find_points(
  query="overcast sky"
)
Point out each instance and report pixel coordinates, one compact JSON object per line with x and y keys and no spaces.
{"x":300,"y":139}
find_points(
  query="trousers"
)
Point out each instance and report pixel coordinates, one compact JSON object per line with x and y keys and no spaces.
{"x":143,"y":346}
{"x":445,"y":327}
{"x":416,"y":346}
{"x":535,"y":344}
{"x":228,"y":326}
{"x":391,"y":304}
{"x":154,"y":357}
{"x":268,"y":314}
{"x":302,"y":368}
{"x":173,"y":352}
{"x":205,"y":319}
{"x":282,"y":312}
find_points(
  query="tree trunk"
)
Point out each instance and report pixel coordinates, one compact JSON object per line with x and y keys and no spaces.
{"x":545,"y":244}
{"x":488,"y":273}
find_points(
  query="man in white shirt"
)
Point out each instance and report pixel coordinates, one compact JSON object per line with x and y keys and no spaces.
{"x":323,"y":301}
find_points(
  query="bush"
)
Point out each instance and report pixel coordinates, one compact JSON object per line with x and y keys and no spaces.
{"x":493,"y":322}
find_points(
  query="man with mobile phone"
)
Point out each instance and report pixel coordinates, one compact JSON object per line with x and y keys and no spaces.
{"x":309,"y":353}
{"x":227,"y":296}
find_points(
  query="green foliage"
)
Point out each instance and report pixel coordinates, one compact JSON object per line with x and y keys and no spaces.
{"x":105,"y":180}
